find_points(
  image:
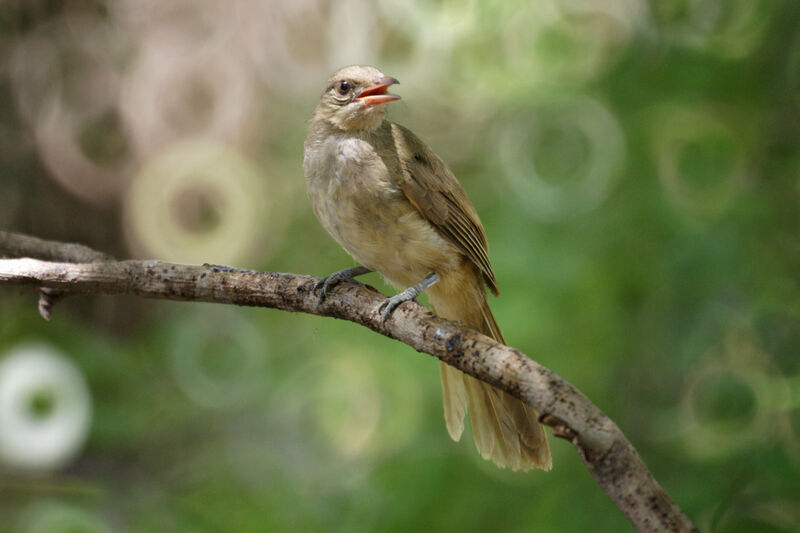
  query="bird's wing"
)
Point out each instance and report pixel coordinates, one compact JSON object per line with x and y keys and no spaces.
{"x":438,"y":196}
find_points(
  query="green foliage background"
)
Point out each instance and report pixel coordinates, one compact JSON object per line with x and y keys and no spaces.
{"x":635,"y":165}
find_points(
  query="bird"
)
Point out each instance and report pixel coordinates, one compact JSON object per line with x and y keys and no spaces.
{"x":398,"y":210}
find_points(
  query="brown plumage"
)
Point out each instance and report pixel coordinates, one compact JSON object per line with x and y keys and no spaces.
{"x":393,"y":204}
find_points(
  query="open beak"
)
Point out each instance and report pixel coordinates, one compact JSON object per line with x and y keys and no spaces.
{"x":376,"y":94}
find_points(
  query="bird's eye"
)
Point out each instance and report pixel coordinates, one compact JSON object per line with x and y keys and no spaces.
{"x":344,"y":87}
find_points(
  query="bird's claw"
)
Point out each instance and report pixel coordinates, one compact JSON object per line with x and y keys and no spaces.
{"x":387,"y":307}
{"x":328,"y":282}
{"x":410,"y":294}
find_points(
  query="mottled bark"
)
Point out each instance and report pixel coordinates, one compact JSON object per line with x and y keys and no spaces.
{"x":612,"y":460}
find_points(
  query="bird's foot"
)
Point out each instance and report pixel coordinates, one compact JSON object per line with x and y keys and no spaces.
{"x":387,"y":307}
{"x":328,"y":282}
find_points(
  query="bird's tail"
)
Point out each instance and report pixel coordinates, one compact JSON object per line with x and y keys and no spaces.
{"x":506,"y":430}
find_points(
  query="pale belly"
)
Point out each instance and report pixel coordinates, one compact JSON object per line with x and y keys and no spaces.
{"x":386,"y":234}
{"x":355,"y":200}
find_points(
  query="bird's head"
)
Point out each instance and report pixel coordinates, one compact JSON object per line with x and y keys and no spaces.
{"x":355,"y":98}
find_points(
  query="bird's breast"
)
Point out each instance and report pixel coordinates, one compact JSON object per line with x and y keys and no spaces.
{"x":357,"y":200}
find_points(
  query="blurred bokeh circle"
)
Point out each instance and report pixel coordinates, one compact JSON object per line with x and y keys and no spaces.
{"x":200,"y":202}
{"x":183,"y":86}
{"x":295,"y":440}
{"x":357,"y":406}
{"x":76,"y":57}
{"x":733,"y":399}
{"x":727,"y":28}
{"x":66,"y":78}
{"x":329,"y":422}
{"x":45,"y":408}
{"x":293,"y":45}
{"x":700,"y":159}
{"x":219,"y":359}
{"x":562,"y":156}
{"x":425,"y":38}
{"x":556,"y":43}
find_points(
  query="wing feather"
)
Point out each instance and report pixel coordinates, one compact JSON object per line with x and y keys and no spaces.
{"x":438,"y":196}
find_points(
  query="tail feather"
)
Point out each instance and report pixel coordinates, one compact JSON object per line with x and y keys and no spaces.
{"x":507,"y":442}
{"x":455,"y":398}
{"x":532,"y":438}
{"x":506,"y":431}
{"x":483,"y":421}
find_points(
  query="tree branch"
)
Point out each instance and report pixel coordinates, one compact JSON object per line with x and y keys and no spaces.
{"x":15,"y":245}
{"x":612,"y":460}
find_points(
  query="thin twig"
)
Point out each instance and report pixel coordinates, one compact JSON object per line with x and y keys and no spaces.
{"x":612,"y":460}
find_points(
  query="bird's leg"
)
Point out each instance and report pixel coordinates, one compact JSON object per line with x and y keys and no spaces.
{"x":328,"y":282}
{"x":389,"y":304}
